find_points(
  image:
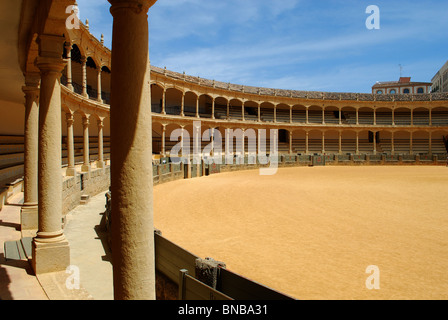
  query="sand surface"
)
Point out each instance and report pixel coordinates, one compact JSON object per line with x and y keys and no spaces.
{"x":312,"y":232}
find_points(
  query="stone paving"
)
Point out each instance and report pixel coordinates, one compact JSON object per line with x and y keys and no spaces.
{"x":89,"y":258}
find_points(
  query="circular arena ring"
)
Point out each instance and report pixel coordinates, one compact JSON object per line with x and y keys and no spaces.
{"x":319,"y":233}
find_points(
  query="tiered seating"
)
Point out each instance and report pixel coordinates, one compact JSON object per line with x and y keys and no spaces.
{"x":299,"y":116}
{"x":421,"y":118}
{"x":440,"y":118}
{"x":79,"y":149}
{"x":11,"y":158}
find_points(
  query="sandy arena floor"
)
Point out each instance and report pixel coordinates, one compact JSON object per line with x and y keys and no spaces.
{"x":312,"y":232}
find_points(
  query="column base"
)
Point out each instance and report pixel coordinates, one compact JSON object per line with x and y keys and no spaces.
{"x":51,"y":256}
{"x":85,"y":168}
{"x":29,"y":217}
{"x":100,"y":164}
{"x":70,"y":172}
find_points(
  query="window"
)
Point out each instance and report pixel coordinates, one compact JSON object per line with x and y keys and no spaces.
{"x":392,"y":91}
{"x":406,"y":91}
{"x":379,"y":92}
{"x":420,"y":90}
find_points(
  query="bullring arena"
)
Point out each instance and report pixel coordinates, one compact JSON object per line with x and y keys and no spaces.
{"x":360,"y":181}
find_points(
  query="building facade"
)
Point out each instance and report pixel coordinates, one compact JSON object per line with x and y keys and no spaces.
{"x":402,"y":86}
{"x":440,"y":80}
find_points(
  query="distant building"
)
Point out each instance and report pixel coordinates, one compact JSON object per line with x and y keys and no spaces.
{"x":440,"y":80}
{"x":402,"y":86}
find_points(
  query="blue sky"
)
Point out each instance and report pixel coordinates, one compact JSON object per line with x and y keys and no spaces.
{"x":292,"y":44}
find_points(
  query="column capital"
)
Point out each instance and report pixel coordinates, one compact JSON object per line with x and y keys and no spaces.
{"x":85,"y":120}
{"x":83,"y":59}
{"x":137,"y":6}
{"x":69,"y":118}
{"x":50,"y":64}
{"x":100,"y":123}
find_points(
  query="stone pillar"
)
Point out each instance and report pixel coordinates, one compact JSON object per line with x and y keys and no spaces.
{"x":290,"y":142}
{"x":411,"y":134}
{"x":275,"y":113}
{"x":163,"y":152}
{"x":164,"y":101}
{"x":374,"y":143}
{"x":323,"y":115}
{"x":99,"y":98}
{"x":340,"y":116}
{"x":197,"y":106}
{"x":393,"y":117}
{"x":68,"y":49}
{"x":412,"y":117}
{"x":307,"y":135}
{"x":374,"y":117}
{"x":131,"y":138}
{"x":71,"y":171}
{"x":357,"y":116}
{"x":357,"y":142}
{"x":182,"y":107}
{"x":430,"y":143}
{"x":213,"y":108}
{"x":259,"y":112}
{"x":28,"y":215}
{"x":323,"y":142}
{"x":340,"y":143}
{"x":84,"y":76}
{"x":290,"y":114}
{"x":100,"y":161}
{"x":228,"y":110}
{"x":242,"y":111}
{"x":51,"y":251}
{"x":430,"y":117}
{"x":306,"y":115}
{"x":86,"y":152}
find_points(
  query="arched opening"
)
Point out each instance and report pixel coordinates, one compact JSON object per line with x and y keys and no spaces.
{"x":173,"y":101}
{"x":283,"y":113}
{"x":348,"y":115}
{"x":156,"y":98}
{"x":402,"y":116}
{"x":205,"y":106}
{"x":315,"y":114}
{"x":267,"y":112}
{"x":299,"y":114}
{"x":421,"y":116}
{"x":105,"y":84}
{"x":190,"y":104}
{"x":251,"y":111}
{"x":365,"y":115}
{"x":440,"y":116}
{"x":221,"y":108}
{"x":331,"y":115}
{"x":383,"y":116}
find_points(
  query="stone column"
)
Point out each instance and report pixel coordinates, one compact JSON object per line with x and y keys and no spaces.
{"x":374,"y":143}
{"x":164,"y":101}
{"x":131,"y":168}
{"x":374,"y":117}
{"x":357,"y":116}
{"x":213,"y":108}
{"x":228,"y":109}
{"x":306,"y":115}
{"x":259,"y":112}
{"x":357,"y":142}
{"x":307,"y":135}
{"x":86,"y":152}
{"x":411,"y":134}
{"x":340,"y":116}
{"x":163,"y":152}
{"x":182,"y":107}
{"x":275,"y":113}
{"x":323,"y":115}
{"x":28,"y":215}
{"x":99,"y":98}
{"x":100,"y":161}
{"x":242,"y":111}
{"x":340,"y":143}
{"x":430,"y":117}
{"x":412,"y":117}
{"x":323,"y":142}
{"x":197,"y":106}
{"x":290,"y":142}
{"x":290,"y":114}
{"x":84,"y":76}
{"x":71,"y":171}
{"x":51,"y":251}
{"x":68,"y":49}
{"x":393,"y":117}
